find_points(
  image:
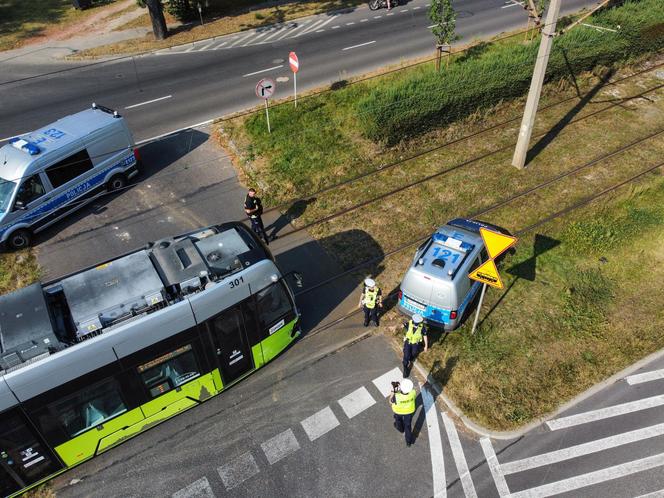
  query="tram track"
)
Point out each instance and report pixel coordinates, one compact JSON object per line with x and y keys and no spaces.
{"x":521,"y":231}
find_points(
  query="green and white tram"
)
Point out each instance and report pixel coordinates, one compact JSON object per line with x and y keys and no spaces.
{"x":95,"y":358}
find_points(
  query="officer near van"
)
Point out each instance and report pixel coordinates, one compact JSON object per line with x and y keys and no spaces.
{"x":254,"y":209}
{"x":414,"y":338}
{"x":370,"y":301}
{"x":403,"y":406}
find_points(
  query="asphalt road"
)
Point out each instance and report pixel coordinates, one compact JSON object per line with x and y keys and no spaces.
{"x":174,"y":89}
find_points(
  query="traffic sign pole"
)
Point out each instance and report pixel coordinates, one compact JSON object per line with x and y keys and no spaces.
{"x":267,"y":115}
{"x":295,"y":87}
{"x":479,"y":307}
{"x":264,"y":90}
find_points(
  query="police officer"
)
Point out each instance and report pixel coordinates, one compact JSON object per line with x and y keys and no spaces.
{"x":254,"y":209}
{"x":403,"y":406}
{"x":370,"y":300}
{"x":415,"y":337}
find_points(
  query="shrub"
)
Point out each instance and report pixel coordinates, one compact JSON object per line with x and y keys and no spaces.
{"x":428,"y":99}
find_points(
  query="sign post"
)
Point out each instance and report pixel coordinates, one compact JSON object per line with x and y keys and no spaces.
{"x":264,"y":90}
{"x":295,"y":66}
{"x":487,"y":273}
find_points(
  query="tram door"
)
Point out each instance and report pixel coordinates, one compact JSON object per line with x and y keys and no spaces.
{"x":24,"y":459}
{"x":230,"y":341}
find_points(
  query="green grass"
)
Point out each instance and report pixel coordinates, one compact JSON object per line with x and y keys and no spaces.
{"x":18,"y":270}
{"x":21,"y":20}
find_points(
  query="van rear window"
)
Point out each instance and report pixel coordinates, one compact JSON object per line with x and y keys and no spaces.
{"x":69,"y":168}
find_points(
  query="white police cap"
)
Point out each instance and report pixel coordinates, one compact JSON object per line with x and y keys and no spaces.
{"x":406,"y":386}
{"x":369,"y":282}
{"x":417,"y":318}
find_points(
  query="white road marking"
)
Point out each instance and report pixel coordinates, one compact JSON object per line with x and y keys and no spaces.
{"x":276,"y":32}
{"x":384,"y":382}
{"x":258,"y":35}
{"x":148,"y":102}
{"x":654,"y":494}
{"x":432,"y":26}
{"x":591,"y":478}
{"x":263,"y":70}
{"x":603,"y":413}
{"x":239,"y":470}
{"x":645,"y":377}
{"x":582,"y":449}
{"x":349,"y":23}
{"x":197,"y":489}
{"x":324,"y":23}
{"x":364,"y":20}
{"x":435,"y":444}
{"x":511,"y":5}
{"x":494,"y":467}
{"x":292,"y":29}
{"x":360,"y":45}
{"x":220,"y":45}
{"x":459,"y":457}
{"x":310,"y":27}
{"x":173,"y":132}
{"x":319,"y":30}
{"x":320,"y":423}
{"x":208,"y":45}
{"x":336,"y":27}
{"x":377,"y":17}
{"x":356,"y":402}
{"x":241,"y":39}
{"x":416,"y":8}
{"x":280,"y":446}
{"x":403,"y":10}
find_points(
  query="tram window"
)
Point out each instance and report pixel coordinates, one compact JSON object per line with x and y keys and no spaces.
{"x":89,"y":407}
{"x":169,"y":371}
{"x":273,"y":303}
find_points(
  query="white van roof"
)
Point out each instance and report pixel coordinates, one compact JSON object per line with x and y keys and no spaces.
{"x":20,"y":152}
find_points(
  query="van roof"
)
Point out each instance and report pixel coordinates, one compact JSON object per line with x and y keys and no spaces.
{"x":448,"y":250}
{"x":15,"y":160}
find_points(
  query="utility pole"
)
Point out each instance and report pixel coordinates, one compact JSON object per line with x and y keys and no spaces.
{"x":526,"y":130}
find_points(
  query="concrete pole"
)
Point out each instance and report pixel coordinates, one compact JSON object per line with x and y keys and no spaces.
{"x":526,"y":130}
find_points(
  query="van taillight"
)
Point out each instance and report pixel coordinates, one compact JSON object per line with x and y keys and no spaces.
{"x":399,"y":295}
{"x":137,"y":155}
{"x":453,"y":315}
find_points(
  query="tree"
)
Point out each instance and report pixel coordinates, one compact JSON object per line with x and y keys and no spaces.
{"x":443,"y":16}
{"x":156,"y":10}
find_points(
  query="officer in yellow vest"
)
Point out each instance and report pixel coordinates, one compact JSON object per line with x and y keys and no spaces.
{"x":403,"y":406}
{"x":415,"y":337}
{"x":370,"y":300}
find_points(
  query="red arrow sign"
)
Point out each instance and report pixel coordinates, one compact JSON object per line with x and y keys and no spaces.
{"x":294,"y":62}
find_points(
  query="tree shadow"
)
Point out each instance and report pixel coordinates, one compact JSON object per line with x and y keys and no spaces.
{"x":474,"y":52}
{"x":526,"y":270}
{"x":543,"y":142}
{"x":293,"y":212}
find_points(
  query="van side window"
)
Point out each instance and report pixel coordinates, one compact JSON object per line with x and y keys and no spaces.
{"x":69,"y":168}
{"x":30,"y":190}
{"x":89,"y":407}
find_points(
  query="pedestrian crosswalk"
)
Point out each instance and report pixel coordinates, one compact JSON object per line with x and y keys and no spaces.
{"x":479,"y":467}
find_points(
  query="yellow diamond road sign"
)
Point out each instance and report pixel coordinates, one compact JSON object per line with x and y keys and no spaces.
{"x":487,"y":273}
{"x":496,"y":244}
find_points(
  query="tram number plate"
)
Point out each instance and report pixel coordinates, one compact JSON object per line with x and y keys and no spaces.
{"x":236,"y":282}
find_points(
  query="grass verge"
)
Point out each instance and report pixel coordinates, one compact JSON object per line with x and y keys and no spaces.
{"x":17,"y":270}
{"x":232,"y":21}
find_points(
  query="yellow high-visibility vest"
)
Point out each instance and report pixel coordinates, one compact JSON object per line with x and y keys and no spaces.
{"x":414,"y":334}
{"x":405,"y":403}
{"x":370,"y":297}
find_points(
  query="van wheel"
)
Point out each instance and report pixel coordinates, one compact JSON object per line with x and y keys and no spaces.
{"x":117,"y":182}
{"x":20,"y":239}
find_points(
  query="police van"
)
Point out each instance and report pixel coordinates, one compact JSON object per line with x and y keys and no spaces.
{"x":51,"y":172}
{"x":436,"y":285}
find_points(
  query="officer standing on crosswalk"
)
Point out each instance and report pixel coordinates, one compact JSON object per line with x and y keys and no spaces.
{"x":371,"y":300}
{"x":414,"y":339}
{"x":403,"y":406}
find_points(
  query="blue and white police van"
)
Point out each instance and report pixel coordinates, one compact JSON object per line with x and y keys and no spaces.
{"x":437,"y":285}
{"x":49,"y":173}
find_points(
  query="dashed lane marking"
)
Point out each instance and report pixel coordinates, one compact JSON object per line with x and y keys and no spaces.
{"x":364,"y":20}
{"x":384,"y":382}
{"x":591,"y":478}
{"x":435,"y":444}
{"x":582,"y":449}
{"x":356,"y":402}
{"x":280,"y":446}
{"x":358,"y":46}
{"x":645,"y":377}
{"x":239,"y":470}
{"x":148,"y":102}
{"x":494,"y":467}
{"x":604,"y":413}
{"x":654,"y":494}
{"x":197,"y":489}
{"x":263,"y":70}
{"x":377,"y":17}
{"x":335,"y":27}
{"x":320,"y":423}
{"x":459,"y":457}
{"x":349,"y":23}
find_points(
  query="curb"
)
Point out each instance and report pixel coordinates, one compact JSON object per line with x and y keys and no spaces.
{"x":483,"y":431}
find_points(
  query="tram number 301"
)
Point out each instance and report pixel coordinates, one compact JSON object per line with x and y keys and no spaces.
{"x":235,"y":283}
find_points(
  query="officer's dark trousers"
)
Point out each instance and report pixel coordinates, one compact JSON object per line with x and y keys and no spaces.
{"x":402,"y":423}
{"x":258,"y":228}
{"x":410,"y":352}
{"x":370,"y":314}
